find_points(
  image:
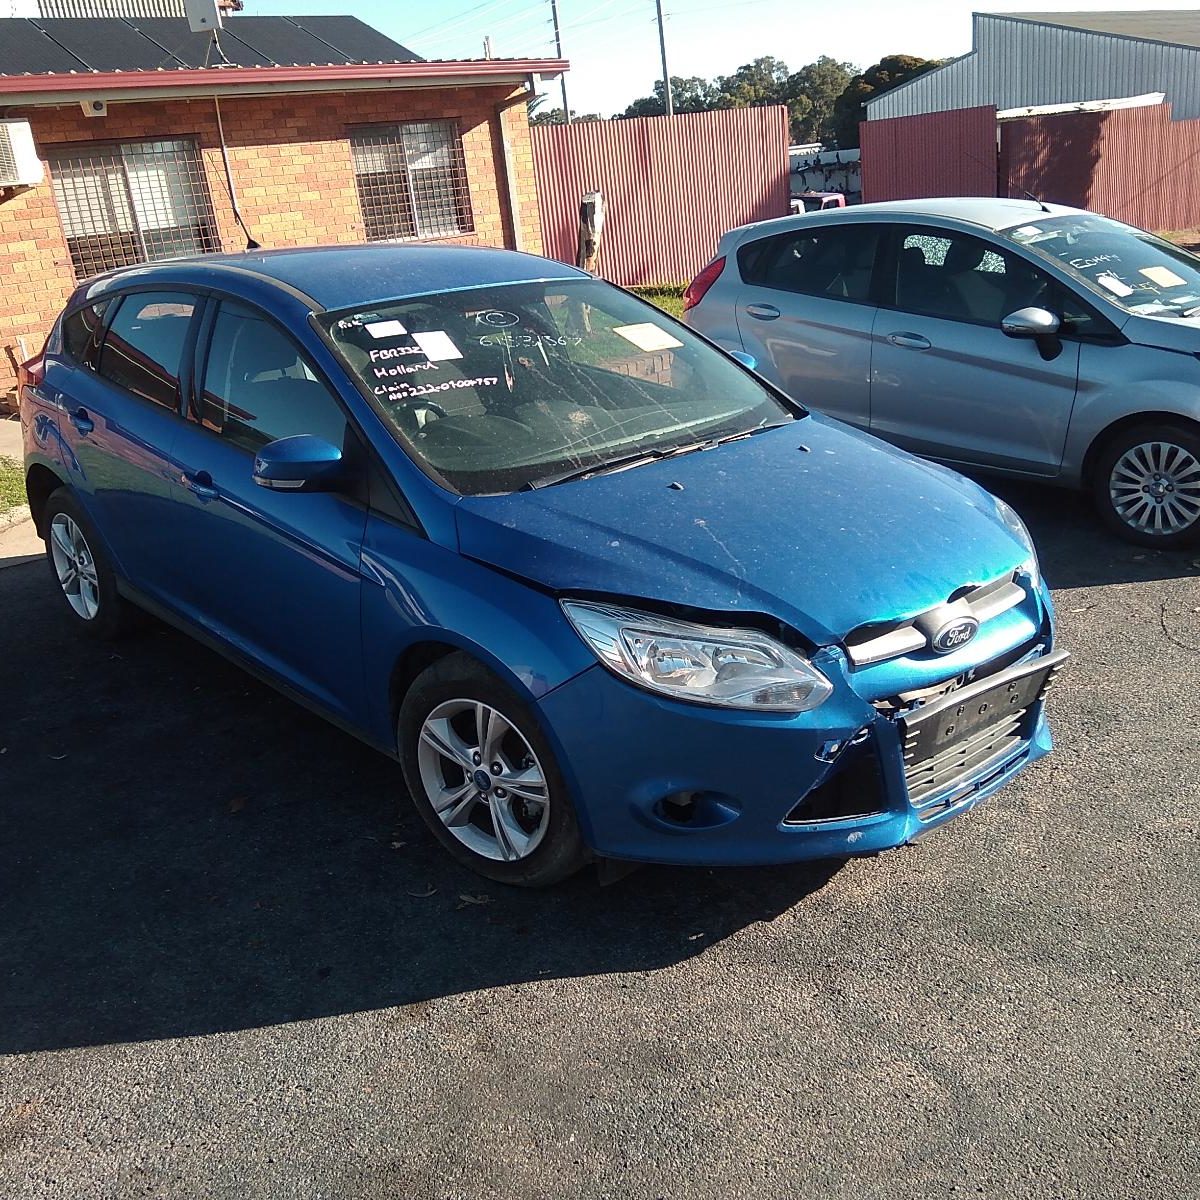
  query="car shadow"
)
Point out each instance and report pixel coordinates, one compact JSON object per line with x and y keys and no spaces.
{"x":1075,"y":549}
{"x":182,"y":852}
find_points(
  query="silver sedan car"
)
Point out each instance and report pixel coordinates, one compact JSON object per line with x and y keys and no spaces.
{"x":1007,"y":335}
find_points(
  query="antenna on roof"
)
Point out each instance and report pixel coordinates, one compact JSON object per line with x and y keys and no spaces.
{"x":1036,"y":199}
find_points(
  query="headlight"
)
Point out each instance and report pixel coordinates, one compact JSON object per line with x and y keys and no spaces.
{"x":732,"y":668}
{"x":1017,"y":527}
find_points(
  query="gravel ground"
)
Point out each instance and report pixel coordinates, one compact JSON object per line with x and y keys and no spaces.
{"x":229,"y":967}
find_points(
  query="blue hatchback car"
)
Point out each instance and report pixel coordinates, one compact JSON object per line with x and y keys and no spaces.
{"x":602,"y":591}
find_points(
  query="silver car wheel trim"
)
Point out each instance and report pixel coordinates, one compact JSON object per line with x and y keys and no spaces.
{"x":460,"y":742}
{"x":1155,"y":488}
{"x":74,"y":566}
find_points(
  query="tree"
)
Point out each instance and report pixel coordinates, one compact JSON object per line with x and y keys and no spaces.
{"x":554,"y":116}
{"x":689,"y":95}
{"x":811,"y":94}
{"x":887,"y":73}
{"x":760,"y":82}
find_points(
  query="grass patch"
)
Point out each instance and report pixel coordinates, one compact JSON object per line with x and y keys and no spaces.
{"x":1189,"y":239}
{"x":668,"y":297}
{"x":12,"y":483}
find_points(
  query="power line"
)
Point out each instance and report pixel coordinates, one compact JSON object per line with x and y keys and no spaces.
{"x":522,"y":17}
{"x":450,"y":22}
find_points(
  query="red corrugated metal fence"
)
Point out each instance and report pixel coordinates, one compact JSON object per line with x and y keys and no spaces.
{"x":1134,"y":164}
{"x":935,"y":154}
{"x":671,"y":185}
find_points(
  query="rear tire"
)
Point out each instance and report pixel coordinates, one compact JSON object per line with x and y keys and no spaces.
{"x":484,"y":778}
{"x":83,"y":576}
{"x":1146,"y":485}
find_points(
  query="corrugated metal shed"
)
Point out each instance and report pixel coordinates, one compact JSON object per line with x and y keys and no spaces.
{"x":937,"y":154}
{"x":1137,"y":164}
{"x":671,"y":185}
{"x":1019,"y":61}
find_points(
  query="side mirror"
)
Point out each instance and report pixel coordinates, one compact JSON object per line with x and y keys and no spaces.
{"x":747,"y":360}
{"x":1031,"y":323}
{"x":303,"y":463}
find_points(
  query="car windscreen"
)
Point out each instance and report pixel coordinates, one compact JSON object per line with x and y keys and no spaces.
{"x":1132,"y":268}
{"x":498,"y":388}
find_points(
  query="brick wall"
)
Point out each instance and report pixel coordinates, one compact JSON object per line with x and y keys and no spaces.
{"x":291,"y":164}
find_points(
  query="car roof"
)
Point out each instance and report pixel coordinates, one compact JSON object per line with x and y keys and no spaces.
{"x":340,"y":276}
{"x":985,"y":211}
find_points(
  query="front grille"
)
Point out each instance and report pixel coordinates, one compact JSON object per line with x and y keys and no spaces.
{"x":927,"y":779}
{"x":931,"y":778}
{"x":880,"y":641}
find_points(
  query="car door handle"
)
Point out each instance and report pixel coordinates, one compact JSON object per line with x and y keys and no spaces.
{"x":82,"y":422}
{"x":910,"y":341}
{"x":200,"y":484}
{"x":763,"y":312}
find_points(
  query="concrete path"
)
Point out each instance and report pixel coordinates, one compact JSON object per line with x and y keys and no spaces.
{"x":19,"y":542}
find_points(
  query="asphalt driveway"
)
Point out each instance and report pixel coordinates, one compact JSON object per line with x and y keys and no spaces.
{"x":232,"y":964}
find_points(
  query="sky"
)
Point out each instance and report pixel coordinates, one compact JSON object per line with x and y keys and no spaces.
{"x":613,"y":44}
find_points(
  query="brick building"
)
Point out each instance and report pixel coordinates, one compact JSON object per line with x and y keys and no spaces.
{"x":331,"y":133}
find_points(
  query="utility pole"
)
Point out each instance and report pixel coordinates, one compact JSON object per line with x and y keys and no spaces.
{"x":558,"y":51}
{"x":662,"y":45}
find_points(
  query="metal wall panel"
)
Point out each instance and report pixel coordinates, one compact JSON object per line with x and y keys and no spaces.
{"x":1015,"y":64}
{"x":110,"y":8}
{"x":937,"y":154}
{"x":1135,"y":164}
{"x":671,"y":186}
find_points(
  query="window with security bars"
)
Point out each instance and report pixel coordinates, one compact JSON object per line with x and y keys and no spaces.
{"x":412,"y":181}
{"x":132,"y":202}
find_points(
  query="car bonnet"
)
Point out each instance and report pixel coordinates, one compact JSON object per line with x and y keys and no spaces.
{"x":813,"y":523}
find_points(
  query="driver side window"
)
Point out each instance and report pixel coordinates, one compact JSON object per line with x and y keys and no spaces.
{"x":258,"y":386}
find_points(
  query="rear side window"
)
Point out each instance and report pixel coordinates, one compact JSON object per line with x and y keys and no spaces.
{"x":81,"y":331}
{"x":144,"y":344}
{"x":259,"y":387}
{"x":832,"y":261}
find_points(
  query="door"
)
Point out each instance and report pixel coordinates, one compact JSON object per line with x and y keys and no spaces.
{"x":274,"y":573}
{"x":805,"y":313}
{"x":121,"y":418}
{"x":946,"y":381}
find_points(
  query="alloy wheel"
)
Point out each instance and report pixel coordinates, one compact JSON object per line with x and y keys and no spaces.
{"x":483,"y":780}
{"x":1155,"y":488}
{"x":75,"y":566}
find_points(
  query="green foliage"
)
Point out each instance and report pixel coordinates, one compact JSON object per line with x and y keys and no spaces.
{"x":667,"y":296}
{"x":12,"y":483}
{"x":886,"y":74}
{"x":689,"y":95}
{"x":554,"y":116}
{"x":808,"y":94}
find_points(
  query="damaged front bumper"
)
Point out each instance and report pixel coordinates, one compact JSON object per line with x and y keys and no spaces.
{"x":655,"y":780}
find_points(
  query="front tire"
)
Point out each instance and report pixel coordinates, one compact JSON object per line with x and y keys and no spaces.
{"x":1147,"y":485}
{"x":83,"y":576}
{"x":484,"y":778}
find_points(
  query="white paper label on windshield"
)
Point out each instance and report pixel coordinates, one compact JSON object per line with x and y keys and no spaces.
{"x":647,"y":336}
{"x":382,"y":329}
{"x":1163,"y":276}
{"x":1026,"y":232}
{"x":436,"y":345}
{"x":1114,"y":285}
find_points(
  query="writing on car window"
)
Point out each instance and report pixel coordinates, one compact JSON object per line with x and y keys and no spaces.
{"x":495,"y":389}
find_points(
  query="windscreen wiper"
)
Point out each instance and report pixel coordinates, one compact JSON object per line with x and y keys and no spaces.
{"x":641,"y":457}
{"x":613,"y":464}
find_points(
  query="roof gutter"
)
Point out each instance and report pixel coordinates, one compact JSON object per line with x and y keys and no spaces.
{"x":188,"y":83}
